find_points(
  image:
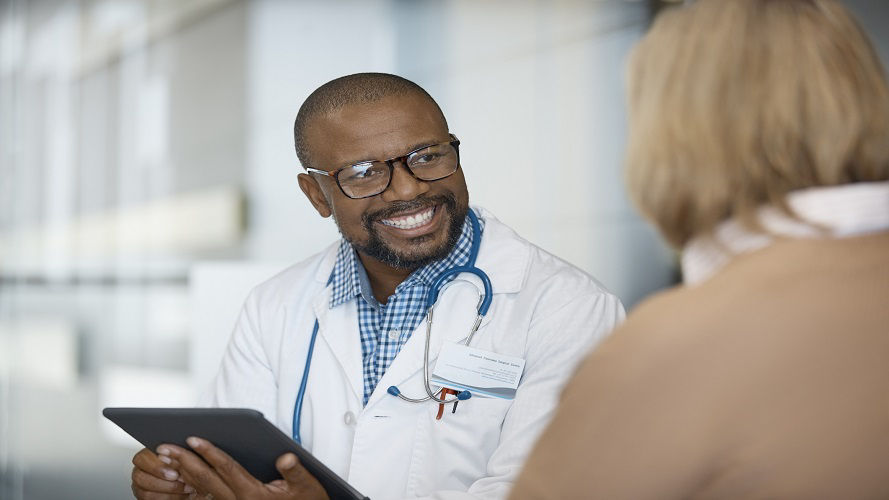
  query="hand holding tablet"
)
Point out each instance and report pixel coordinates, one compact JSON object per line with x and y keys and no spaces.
{"x":222,"y":453}
{"x":210,"y":472}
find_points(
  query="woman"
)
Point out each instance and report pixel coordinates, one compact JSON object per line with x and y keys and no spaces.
{"x":759,"y":145}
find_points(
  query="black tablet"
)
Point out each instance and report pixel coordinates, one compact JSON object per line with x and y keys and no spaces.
{"x":242,"y":433}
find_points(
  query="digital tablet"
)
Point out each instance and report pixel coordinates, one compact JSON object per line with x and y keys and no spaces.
{"x":244,"y":434}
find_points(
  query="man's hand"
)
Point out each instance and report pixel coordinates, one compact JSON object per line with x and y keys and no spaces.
{"x":222,"y":478}
{"x":155,"y":477}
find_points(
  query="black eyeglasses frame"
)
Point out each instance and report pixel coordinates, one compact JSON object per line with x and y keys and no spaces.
{"x":455,"y":143}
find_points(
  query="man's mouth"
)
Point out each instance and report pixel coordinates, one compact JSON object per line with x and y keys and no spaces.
{"x":412,"y":220}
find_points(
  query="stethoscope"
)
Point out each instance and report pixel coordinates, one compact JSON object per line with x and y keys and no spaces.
{"x":484,"y":303}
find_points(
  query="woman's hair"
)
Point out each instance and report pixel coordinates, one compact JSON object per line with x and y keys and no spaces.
{"x":734,"y":103}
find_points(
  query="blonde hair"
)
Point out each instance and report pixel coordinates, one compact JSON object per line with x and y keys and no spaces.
{"x":735,"y":103}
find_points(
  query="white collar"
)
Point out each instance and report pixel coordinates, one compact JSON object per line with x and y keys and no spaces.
{"x":840,"y":211}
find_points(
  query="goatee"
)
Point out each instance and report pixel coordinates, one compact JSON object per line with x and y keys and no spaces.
{"x":376,"y":248}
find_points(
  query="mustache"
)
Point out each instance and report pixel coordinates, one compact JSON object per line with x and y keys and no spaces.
{"x":397,"y":207}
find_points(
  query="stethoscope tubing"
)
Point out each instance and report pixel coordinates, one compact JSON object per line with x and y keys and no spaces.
{"x":298,"y":406}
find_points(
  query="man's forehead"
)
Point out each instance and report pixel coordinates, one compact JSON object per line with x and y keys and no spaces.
{"x":389,"y":111}
{"x":374,"y":130}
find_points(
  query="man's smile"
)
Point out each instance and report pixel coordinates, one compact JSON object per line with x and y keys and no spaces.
{"x":415,"y":223}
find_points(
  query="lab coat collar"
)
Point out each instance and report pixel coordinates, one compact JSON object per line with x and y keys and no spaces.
{"x":503,"y":255}
{"x":328,"y":259}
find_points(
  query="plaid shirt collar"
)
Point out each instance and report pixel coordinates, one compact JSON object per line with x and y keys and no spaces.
{"x":350,"y":279}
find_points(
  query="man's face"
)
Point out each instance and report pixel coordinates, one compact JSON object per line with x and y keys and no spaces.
{"x":412,"y":222}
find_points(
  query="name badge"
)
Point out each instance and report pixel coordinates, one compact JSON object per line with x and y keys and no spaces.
{"x":477,"y":371}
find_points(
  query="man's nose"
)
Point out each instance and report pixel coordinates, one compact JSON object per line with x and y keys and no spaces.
{"x":404,"y":186}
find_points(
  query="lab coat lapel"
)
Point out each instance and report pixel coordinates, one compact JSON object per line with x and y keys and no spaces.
{"x":338,"y":329}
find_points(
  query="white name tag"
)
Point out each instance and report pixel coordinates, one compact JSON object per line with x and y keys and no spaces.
{"x":477,"y":371}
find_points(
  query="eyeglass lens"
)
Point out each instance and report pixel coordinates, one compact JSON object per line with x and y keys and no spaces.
{"x":372,"y":178}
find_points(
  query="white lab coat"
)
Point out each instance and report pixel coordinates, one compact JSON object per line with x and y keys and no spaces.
{"x":544,"y":310}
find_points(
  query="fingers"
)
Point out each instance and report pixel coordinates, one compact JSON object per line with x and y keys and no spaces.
{"x":163,"y":454}
{"x":151,"y":495}
{"x":152,"y":479}
{"x":150,"y":463}
{"x":231,"y":472}
{"x":298,"y":479}
{"x":197,"y":473}
{"x":147,"y":482}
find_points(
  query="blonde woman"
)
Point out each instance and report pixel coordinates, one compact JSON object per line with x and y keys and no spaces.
{"x":759,"y":146}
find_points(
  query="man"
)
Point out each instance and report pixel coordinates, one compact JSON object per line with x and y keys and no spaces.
{"x":381,"y":161}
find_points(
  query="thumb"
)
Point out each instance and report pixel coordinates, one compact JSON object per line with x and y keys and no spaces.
{"x":289,"y":467}
{"x":297,"y":477}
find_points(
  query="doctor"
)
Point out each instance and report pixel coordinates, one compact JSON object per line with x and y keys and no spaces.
{"x":381,"y":161}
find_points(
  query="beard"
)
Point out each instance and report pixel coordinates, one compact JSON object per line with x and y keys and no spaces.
{"x":377,"y":249}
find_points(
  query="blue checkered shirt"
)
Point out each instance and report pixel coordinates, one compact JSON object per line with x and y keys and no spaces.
{"x":384,"y":328}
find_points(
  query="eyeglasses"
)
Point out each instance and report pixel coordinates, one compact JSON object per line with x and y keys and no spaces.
{"x":370,"y":178}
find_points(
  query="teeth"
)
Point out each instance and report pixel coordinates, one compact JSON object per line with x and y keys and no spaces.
{"x":411,"y":221}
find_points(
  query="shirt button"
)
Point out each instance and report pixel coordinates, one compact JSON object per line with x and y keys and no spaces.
{"x":394,"y":334}
{"x":349,"y":418}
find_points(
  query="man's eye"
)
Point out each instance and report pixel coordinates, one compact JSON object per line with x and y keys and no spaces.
{"x":426,"y":158}
{"x":359,"y":174}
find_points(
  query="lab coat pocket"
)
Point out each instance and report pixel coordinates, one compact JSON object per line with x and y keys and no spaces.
{"x":480,"y":407}
{"x":464,"y":439}
{"x":477,"y":420}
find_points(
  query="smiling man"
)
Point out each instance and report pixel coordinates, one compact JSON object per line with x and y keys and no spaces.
{"x":324,"y":348}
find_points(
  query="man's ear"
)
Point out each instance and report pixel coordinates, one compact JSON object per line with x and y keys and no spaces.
{"x":314,"y":193}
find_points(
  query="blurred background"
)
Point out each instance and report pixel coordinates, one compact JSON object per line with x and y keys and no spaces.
{"x":148,"y":180}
